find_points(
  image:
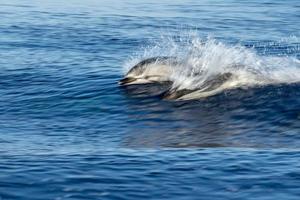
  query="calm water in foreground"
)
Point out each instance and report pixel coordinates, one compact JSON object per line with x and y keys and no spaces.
{"x":68,"y":131}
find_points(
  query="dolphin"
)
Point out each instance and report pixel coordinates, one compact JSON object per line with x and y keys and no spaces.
{"x":151,"y":70}
{"x":159,"y":70}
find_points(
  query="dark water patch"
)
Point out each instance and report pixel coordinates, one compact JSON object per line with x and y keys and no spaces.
{"x":228,"y":119}
{"x":255,"y":172}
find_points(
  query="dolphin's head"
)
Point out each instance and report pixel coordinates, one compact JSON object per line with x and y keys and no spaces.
{"x":132,"y":80}
{"x":151,"y":70}
{"x":143,"y":77}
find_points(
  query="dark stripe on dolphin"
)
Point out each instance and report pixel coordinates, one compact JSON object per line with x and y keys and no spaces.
{"x":126,"y":80}
{"x":209,"y":85}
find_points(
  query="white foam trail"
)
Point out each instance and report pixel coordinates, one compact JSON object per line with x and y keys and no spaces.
{"x":202,"y":59}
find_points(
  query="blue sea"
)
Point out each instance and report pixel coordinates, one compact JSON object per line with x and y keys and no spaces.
{"x":69,"y":131}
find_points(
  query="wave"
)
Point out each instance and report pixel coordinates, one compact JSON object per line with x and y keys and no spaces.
{"x":201,"y":60}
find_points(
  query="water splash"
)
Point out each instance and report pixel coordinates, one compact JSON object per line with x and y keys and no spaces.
{"x":202,"y":59}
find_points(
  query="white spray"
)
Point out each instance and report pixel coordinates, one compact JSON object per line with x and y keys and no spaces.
{"x":202,"y":59}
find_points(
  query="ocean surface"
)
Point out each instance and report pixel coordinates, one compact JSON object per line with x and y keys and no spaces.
{"x":69,"y":131}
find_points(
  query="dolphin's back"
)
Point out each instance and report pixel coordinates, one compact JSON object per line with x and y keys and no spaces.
{"x":140,"y":67}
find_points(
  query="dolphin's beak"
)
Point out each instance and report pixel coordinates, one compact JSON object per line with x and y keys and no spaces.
{"x":127,"y":80}
{"x":175,"y":94}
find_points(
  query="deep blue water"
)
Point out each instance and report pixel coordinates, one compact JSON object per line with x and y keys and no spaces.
{"x":68,"y":131}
